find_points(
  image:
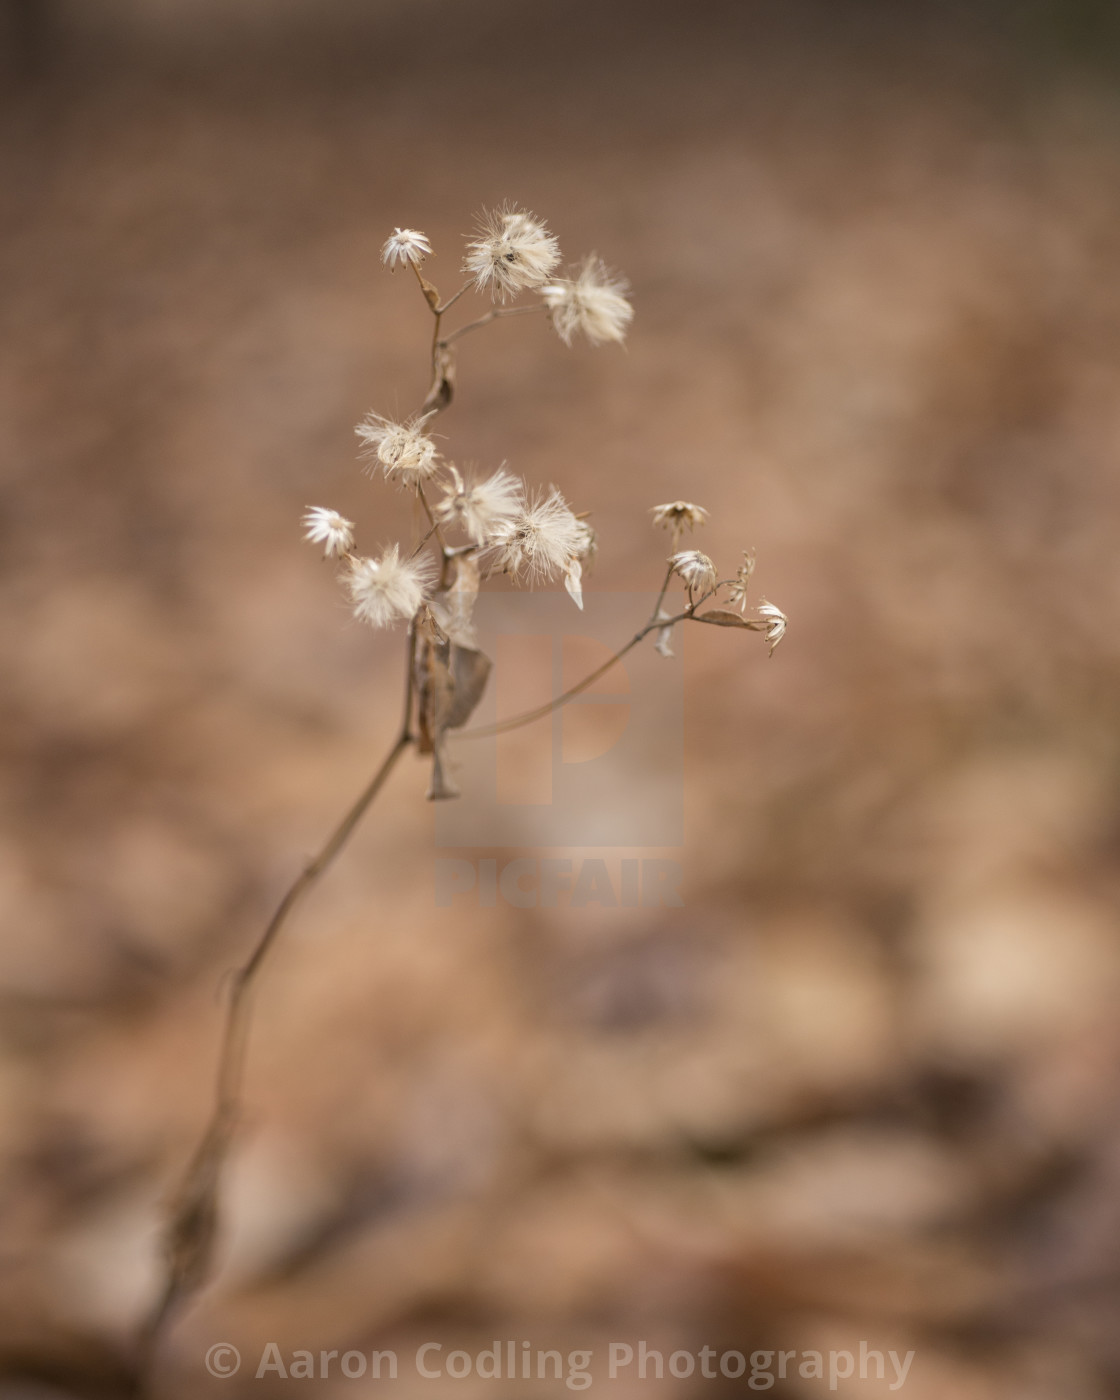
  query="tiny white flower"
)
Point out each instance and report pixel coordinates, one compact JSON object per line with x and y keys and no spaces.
{"x":480,"y":507}
{"x":389,"y":589}
{"x":406,"y":245}
{"x":776,"y":622}
{"x":675,"y":515}
{"x":696,"y":569}
{"x":401,"y":449}
{"x":326,"y":527}
{"x":593,"y":302}
{"x":542,"y":540}
{"x":513,"y":253}
{"x":737,"y":595}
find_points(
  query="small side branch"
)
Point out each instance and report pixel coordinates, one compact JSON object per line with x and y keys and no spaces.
{"x":656,"y":622}
{"x":495,"y":314}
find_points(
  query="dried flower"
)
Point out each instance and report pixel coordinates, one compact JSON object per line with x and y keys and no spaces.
{"x":542,"y":540}
{"x":481,"y":506}
{"x":737,"y":594}
{"x":326,"y":527}
{"x":776,"y":623}
{"x":406,"y":245}
{"x":696,"y":570}
{"x":593,"y":303}
{"x":400,"y":448}
{"x":677,"y":514}
{"x":513,"y":253}
{"x":389,"y":589}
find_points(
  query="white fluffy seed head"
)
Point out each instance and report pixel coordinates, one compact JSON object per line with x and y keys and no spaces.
{"x":591,"y":303}
{"x":775,"y":620}
{"x":481,"y":507}
{"x":401,"y":449}
{"x":541,"y":540}
{"x":326,"y":527}
{"x":405,"y":245}
{"x":514,"y":252}
{"x":696,"y":569}
{"x":389,"y":589}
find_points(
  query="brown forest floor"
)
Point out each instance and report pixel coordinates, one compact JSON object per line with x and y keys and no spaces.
{"x":863,"y":1085}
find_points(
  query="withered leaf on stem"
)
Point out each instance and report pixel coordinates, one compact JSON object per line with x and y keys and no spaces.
{"x":718,"y":617}
{"x":430,"y":293}
{"x":450,"y":681}
{"x":470,"y":670}
{"x":443,"y":381}
{"x":454,"y":609}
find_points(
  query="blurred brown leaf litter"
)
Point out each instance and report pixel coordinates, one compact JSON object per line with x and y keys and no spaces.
{"x":863,"y":1085}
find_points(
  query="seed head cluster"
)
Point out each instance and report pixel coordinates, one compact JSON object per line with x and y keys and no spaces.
{"x":475,"y":525}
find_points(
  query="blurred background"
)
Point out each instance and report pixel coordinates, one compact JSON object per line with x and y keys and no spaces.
{"x":863,"y":1084}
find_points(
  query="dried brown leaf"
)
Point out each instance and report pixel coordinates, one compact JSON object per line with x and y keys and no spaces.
{"x":719,"y":617}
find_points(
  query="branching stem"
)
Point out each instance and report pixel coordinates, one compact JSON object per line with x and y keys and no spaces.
{"x":655,"y":623}
{"x":193,"y":1214}
{"x":495,"y":314}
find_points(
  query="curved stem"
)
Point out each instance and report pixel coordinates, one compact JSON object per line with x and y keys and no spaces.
{"x":664,"y":590}
{"x":193,"y":1221}
{"x":451,"y":300}
{"x":488,"y":731}
{"x":494,"y":315}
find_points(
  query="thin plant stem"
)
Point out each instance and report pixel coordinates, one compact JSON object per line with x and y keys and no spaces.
{"x":494,"y":315}
{"x":423,"y":542}
{"x":192,"y":1229}
{"x":193,"y":1215}
{"x":451,"y":300}
{"x":488,"y":731}
{"x":664,"y":589}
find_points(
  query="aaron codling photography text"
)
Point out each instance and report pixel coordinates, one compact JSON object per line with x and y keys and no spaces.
{"x":579,"y":1369}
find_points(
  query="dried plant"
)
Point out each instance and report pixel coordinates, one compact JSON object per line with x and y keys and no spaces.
{"x":478,"y":527}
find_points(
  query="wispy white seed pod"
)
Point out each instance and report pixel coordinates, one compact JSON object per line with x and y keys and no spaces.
{"x":405,"y":245}
{"x":389,"y":589}
{"x":591,"y":303}
{"x":401,"y":449}
{"x":326,"y":527}
{"x":514,"y":252}
{"x":542,"y":540}
{"x":481,"y":507}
